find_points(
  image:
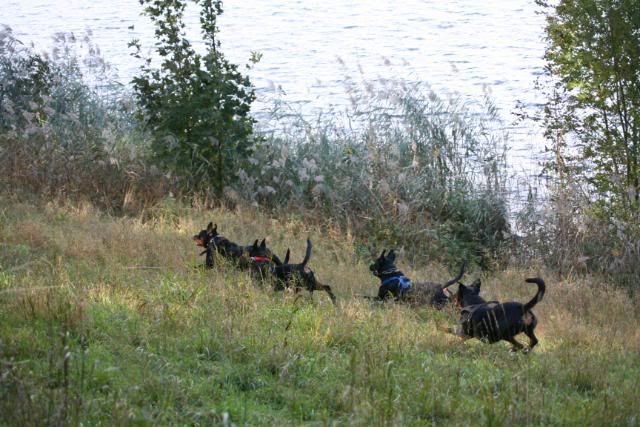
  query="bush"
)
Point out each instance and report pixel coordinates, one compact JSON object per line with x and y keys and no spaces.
{"x":571,"y":234}
{"x":195,"y":106}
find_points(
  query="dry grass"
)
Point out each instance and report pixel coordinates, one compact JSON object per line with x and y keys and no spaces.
{"x":106,"y":320}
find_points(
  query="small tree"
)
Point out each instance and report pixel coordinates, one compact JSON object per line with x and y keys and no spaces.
{"x":592,"y":119}
{"x":594,"y":54}
{"x":196,"y":106}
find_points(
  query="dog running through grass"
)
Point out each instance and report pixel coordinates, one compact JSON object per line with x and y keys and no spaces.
{"x":493,"y":321}
{"x":393,"y":283}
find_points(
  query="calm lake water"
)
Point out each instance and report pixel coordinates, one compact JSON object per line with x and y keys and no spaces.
{"x":462,"y":47}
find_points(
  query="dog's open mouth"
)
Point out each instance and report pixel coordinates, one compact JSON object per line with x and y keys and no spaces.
{"x":199,"y":241}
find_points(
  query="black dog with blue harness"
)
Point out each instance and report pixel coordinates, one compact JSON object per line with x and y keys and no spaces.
{"x":393,"y":283}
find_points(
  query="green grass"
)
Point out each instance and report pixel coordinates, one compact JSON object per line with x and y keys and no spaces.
{"x":105,"y":321}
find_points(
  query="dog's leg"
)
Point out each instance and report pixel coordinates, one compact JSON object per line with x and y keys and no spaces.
{"x":516,"y":345}
{"x":209,"y":260}
{"x":533,"y":340}
{"x":328,"y":290}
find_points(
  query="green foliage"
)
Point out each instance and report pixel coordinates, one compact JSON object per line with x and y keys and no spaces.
{"x":25,"y":82}
{"x":594,"y":53}
{"x":197,"y":106}
{"x":592,"y":120}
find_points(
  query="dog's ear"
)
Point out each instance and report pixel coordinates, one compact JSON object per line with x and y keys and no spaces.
{"x":382,"y":254}
{"x":263,"y":244}
{"x":255,"y":244}
{"x":210,"y":226}
{"x":286,"y":257}
{"x":392,"y":255}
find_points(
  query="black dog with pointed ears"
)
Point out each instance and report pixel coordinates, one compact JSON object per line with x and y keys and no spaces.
{"x":262,"y":259}
{"x":243,"y":256}
{"x":214,"y":242}
{"x":299,"y":276}
{"x":492,"y":321}
{"x":393,"y":283}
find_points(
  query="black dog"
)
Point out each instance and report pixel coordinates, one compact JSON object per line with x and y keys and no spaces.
{"x":262,"y":259}
{"x":494,"y":321}
{"x":298,"y":276}
{"x":394,"y":283}
{"x":214,"y":242}
{"x":202,"y":239}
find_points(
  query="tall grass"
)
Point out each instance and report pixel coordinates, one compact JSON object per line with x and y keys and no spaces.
{"x":573,"y":234}
{"x":400,"y":166}
{"x":104,"y":320}
{"x":66,"y":128}
{"x":404,"y":168}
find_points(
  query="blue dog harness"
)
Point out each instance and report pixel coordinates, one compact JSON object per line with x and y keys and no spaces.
{"x":403,"y":280}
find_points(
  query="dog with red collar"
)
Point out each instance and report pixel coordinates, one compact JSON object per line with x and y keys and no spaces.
{"x":242,"y":256}
{"x":261,"y":259}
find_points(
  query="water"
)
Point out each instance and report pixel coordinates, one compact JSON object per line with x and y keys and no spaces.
{"x":463,"y":47}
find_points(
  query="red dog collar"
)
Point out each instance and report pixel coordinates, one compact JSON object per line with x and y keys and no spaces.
{"x":259,"y":259}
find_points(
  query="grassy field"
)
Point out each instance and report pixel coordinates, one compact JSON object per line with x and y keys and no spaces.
{"x":105,"y":320}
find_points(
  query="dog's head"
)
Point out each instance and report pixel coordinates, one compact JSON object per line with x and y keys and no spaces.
{"x":468,"y":295}
{"x":258,"y":252}
{"x":474,"y":288}
{"x":383,"y":263}
{"x":204,"y":236}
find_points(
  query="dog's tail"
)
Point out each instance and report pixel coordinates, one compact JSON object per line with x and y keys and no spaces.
{"x":307,"y":255}
{"x":538,"y":297}
{"x":458,"y":277}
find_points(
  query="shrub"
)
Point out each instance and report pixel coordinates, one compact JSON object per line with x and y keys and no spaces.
{"x":196,"y":106}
